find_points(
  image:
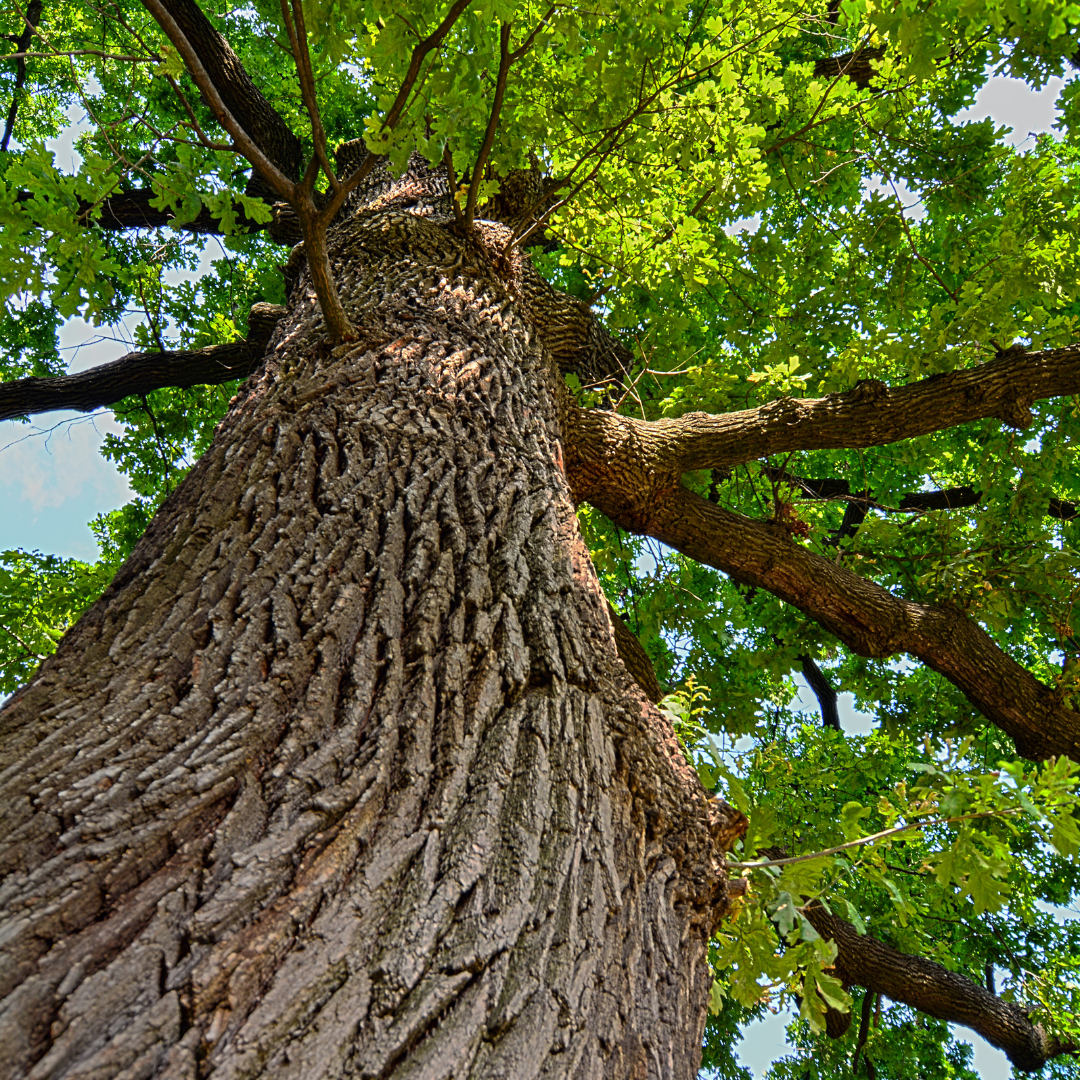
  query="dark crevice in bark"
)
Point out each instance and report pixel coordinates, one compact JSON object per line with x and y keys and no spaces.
{"x":139,"y":373}
{"x":927,"y":986}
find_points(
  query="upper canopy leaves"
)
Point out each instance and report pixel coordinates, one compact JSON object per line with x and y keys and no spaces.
{"x":884,"y":238}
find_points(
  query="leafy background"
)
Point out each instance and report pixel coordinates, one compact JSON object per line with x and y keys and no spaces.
{"x":51,"y":484}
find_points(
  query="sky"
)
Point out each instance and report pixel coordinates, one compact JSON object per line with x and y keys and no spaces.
{"x":53,"y":481}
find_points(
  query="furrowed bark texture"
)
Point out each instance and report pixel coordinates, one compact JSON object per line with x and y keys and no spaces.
{"x":342,"y":776}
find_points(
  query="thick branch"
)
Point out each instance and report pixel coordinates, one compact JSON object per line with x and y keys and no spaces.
{"x":132,"y":210}
{"x":622,"y":482}
{"x":936,"y":991}
{"x":139,"y":373}
{"x":856,"y":66}
{"x":239,"y":95}
{"x":178,"y":18}
{"x":823,"y":691}
{"x":30,"y":24}
{"x":871,"y":414}
{"x":871,"y":620}
{"x":635,"y":659}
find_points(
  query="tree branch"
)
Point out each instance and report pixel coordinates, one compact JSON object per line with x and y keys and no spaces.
{"x":872,"y":414}
{"x":634,"y":657}
{"x":178,"y":19}
{"x":823,"y":690}
{"x":139,"y":373}
{"x":493,"y":124}
{"x":856,"y":66}
{"x":432,"y":41}
{"x":914,"y":502}
{"x":132,"y":210}
{"x":189,"y":30}
{"x":299,"y":195}
{"x":297,"y":31}
{"x":30,"y":20}
{"x":624,"y":483}
{"x":934,"y":990}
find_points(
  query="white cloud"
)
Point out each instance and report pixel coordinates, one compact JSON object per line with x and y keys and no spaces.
{"x":1013,"y":104}
{"x":51,"y":464}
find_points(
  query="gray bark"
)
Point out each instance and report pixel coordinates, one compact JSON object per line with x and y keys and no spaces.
{"x":342,"y":776}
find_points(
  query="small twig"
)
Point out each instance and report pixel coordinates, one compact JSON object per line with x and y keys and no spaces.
{"x":157,"y":438}
{"x":432,"y":41}
{"x":11,"y":633}
{"x":80,"y":52}
{"x":297,"y":31}
{"x":204,"y":139}
{"x":868,"y":839}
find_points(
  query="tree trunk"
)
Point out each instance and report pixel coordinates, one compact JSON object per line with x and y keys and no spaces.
{"x":342,"y":775}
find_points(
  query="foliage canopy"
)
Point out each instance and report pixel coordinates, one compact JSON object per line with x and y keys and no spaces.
{"x":752,"y":224}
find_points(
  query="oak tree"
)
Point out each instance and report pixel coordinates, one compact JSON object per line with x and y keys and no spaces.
{"x":570,"y":376}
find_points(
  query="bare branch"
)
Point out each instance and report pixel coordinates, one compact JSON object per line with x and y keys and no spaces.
{"x":932,"y":989}
{"x":139,"y":373}
{"x":872,"y":414}
{"x":914,"y":502}
{"x":132,"y":210}
{"x":635,"y":659}
{"x":790,"y":860}
{"x":493,"y":124}
{"x":823,"y":691}
{"x":857,"y":66}
{"x":233,"y":86}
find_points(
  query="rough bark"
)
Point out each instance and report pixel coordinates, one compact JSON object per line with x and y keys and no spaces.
{"x":924,"y":985}
{"x":872,"y":414}
{"x":139,"y":373}
{"x":635,"y":659}
{"x":856,"y":66}
{"x":342,"y":775}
